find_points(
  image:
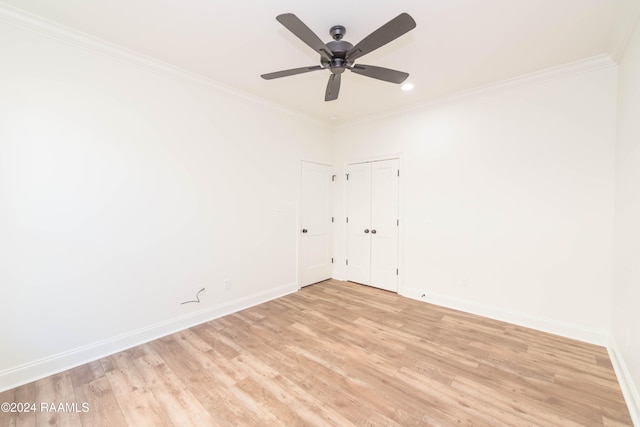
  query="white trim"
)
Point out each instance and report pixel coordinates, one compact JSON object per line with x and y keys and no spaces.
{"x":42,"y":368}
{"x":81,"y":40}
{"x":629,"y":389}
{"x":573,"y":68}
{"x":565,"y":329}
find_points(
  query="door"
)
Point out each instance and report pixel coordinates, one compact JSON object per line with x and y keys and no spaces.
{"x":372,"y":227}
{"x":315,"y":223}
{"x":359,"y":223}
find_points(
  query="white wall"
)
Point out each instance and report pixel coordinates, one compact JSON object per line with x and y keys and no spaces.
{"x":626,"y":284}
{"x":123,"y":190}
{"x":511,"y":190}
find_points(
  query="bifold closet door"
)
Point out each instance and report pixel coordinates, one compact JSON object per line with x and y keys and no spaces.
{"x":372,"y":228}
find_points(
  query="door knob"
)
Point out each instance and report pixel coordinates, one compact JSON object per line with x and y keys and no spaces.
{"x":304,"y":230}
{"x":366,"y":230}
{"x":373,"y":231}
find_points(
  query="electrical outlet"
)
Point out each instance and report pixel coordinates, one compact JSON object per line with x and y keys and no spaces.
{"x":227,"y":284}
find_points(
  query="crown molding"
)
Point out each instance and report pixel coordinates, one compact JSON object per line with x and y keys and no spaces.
{"x":69,"y":36}
{"x":79,"y":39}
{"x":566,"y":70}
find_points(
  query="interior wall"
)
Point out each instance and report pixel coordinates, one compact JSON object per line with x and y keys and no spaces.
{"x":626,"y":284}
{"x":507,"y":201}
{"x":123,"y":191}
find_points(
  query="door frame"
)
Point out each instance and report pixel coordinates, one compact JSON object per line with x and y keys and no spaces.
{"x":342,"y":239}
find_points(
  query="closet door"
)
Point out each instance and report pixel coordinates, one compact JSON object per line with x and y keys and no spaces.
{"x":359,"y":223}
{"x":372,"y":228}
{"x":384,"y":224}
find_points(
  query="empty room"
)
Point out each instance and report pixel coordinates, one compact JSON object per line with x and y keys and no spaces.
{"x":320,"y":213}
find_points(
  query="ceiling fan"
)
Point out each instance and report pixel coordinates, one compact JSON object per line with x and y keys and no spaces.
{"x":339,"y":55}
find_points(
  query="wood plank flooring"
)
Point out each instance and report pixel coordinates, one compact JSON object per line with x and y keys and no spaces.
{"x":337,"y":353}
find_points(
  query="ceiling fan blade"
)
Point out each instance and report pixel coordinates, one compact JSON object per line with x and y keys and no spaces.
{"x":380,"y":73}
{"x":304,"y":33}
{"x":393,"y":29}
{"x":333,"y":87}
{"x":291,"y":72}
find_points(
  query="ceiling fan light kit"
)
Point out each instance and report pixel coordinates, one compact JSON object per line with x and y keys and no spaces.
{"x":339,"y":55}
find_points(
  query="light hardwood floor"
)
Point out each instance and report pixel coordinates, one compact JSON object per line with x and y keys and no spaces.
{"x":337,"y":353}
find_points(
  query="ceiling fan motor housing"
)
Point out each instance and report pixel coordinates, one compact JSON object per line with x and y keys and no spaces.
{"x":339,"y":49}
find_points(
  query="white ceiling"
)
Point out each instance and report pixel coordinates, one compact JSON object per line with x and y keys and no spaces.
{"x":457,"y":44}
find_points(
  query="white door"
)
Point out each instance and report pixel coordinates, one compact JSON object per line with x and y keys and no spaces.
{"x":359,"y":225}
{"x":372,"y":228}
{"x":315,"y":223}
{"x":384,"y":224}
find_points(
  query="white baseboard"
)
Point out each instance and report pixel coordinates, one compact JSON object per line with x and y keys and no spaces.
{"x":629,"y":388}
{"x":565,"y":329}
{"x":38,"y":369}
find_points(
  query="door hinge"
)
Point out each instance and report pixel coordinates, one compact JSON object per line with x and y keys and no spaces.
{"x":347,"y":176}
{"x":331,"y":219}
{"x":398,"y":172}
{"x":347,"y":220}
{"x":398,"y":222}
{"x":331,"y":260}
{"x":347,"y":261}
{"x":333,"y":177}
{"x":396,"y":271}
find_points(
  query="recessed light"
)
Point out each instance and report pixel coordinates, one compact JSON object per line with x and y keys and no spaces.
{"x":407,"y":87}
